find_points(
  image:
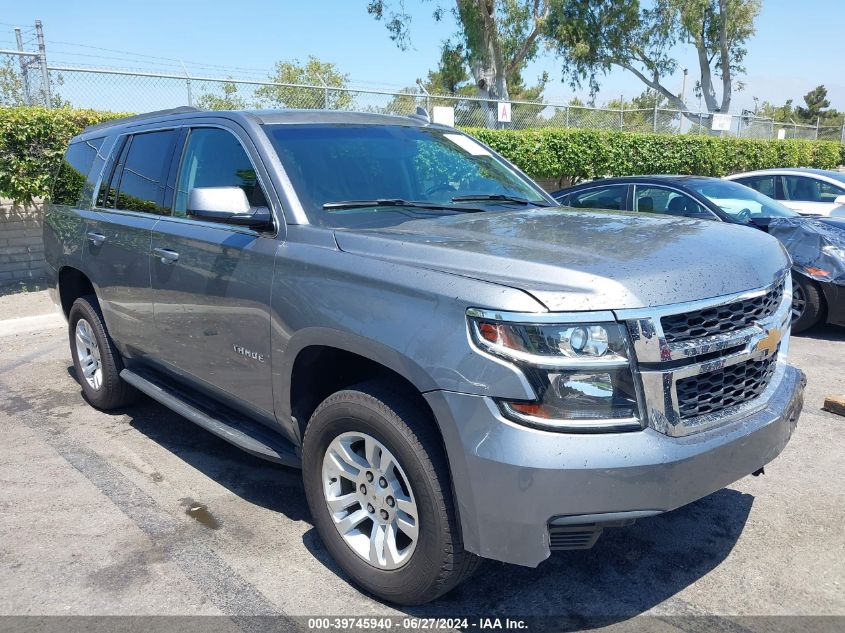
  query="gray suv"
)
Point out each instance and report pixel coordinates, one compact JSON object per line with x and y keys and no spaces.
{"x":461,"y":370}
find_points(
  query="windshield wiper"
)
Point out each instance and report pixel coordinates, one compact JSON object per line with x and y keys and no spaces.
{"x":498,"y":197}
{"x":398,"y":202}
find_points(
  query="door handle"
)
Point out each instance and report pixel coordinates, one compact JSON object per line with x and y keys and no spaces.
{"x":96,"y":239}
{"x":166,"y":255}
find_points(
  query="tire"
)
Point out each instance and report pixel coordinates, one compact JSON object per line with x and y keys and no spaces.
{"x":104,"y":390}
{"x":438,"y":561}
{"x":807,"y":303}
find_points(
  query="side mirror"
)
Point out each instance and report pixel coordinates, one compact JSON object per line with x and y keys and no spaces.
{"x":840,"y":200}
{"x":227,"y":205}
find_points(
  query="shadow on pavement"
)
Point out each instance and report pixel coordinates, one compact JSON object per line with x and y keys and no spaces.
{"x":824,"y":333}
{"x":629,"y":571}
{"x":257,"y":481}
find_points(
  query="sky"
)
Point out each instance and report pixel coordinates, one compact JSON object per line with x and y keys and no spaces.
{"x":794,"y":50}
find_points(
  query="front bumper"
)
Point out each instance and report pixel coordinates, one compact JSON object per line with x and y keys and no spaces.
{"x":510,"y":481}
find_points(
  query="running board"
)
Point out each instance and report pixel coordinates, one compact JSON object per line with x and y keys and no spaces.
{"x":244,"y":433}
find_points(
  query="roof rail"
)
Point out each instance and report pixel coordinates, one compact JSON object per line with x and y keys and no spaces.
{"x":140,"y":117}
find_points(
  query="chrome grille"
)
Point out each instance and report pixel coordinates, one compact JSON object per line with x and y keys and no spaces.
{"x":730,"y":386}
{"x":702,"y":363}
{"x":721,"y":319}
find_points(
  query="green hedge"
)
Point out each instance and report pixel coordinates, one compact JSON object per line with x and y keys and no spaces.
{"x":32,"y":142}
{"x":580,"y":154}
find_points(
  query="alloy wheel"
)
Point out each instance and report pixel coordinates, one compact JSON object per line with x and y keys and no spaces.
{"x":88,"y":353}
{"x":370,"y":500}
{"x":799,"y":302}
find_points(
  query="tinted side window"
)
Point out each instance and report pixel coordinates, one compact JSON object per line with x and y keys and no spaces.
{"x":763,"y":184}
{"x":69,"y":185}
{"x":802,"y":189}
{"x":141,"y":182}
{"x":668,"y":202}
{"x":611,"y":197}
{"x":215,"y":158}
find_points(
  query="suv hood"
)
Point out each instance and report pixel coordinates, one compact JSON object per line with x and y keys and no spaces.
{"x":583,"y":260}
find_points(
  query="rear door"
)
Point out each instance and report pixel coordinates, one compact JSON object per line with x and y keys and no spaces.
{"x":131,"y":199}
{"x":767,"y":185}
{"x":212,"y":281}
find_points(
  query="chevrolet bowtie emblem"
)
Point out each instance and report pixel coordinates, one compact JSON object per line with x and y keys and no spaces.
{"x":769,"y":342}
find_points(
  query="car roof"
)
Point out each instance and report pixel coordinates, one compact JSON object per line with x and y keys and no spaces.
{"x":811,"y":171}
{"x":624,"y":180}
{"x":261,"y":117}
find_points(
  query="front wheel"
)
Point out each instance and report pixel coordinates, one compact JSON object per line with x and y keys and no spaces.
{"x":378,"y":487}
{"x":807,"y":303}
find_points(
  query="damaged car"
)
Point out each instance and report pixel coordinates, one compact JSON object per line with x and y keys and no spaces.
{"x":816,"y":244}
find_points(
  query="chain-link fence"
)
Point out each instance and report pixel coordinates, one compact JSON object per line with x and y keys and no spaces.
{"x":137,"y":91}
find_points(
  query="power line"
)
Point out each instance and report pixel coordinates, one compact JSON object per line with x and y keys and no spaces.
{"x":170,"y":59}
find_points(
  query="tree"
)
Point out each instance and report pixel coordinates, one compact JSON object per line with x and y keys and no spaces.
{"x":451,"y":73}
{"x":496,"y":39}
{"x":228,"y":101}
{"x":818,"y":109}
{"x":783,"y":113}
{"x":11,"y":85}
{"x":593,"y":36}
{"x":313,"y":72}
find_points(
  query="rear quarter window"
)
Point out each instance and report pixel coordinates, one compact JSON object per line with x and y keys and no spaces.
{"x":70,"y":183}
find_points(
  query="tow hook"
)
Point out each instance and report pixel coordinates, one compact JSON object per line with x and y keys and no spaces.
{"x":760,"y":471}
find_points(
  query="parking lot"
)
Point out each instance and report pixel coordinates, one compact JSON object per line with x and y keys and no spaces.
{"x":140,"y":512}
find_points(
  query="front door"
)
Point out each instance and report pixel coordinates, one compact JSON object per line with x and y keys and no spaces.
{"x":812,"y":196}
{"x":212,"y":282}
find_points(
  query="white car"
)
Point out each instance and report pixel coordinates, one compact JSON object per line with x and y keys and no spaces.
{"x":807,"y":191}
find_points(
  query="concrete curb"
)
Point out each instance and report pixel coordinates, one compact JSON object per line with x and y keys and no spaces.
{"x":38,"y":323}
{"x":835,"y":404}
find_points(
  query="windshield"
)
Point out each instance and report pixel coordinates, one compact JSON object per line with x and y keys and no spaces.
{"x":740,"y":202}
{"x":330,"y":163}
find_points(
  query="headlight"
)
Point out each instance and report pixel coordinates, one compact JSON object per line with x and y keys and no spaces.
{"x":581,"y":372}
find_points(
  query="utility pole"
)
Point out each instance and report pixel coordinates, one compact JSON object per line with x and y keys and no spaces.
{"x":621,"y":112}
{"x":24,"y":67}
{"x":683,"y":97}
{"x":42,"y":62}
{"x":187,"y":83}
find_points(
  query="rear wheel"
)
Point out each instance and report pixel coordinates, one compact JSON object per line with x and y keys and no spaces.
{"x":95,"y":358}
{"x":807,"y":303}
{"x":378,"y":488}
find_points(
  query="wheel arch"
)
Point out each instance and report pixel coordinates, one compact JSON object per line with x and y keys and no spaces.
{"x":72,"y":284}
{"x":321,"y":361}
